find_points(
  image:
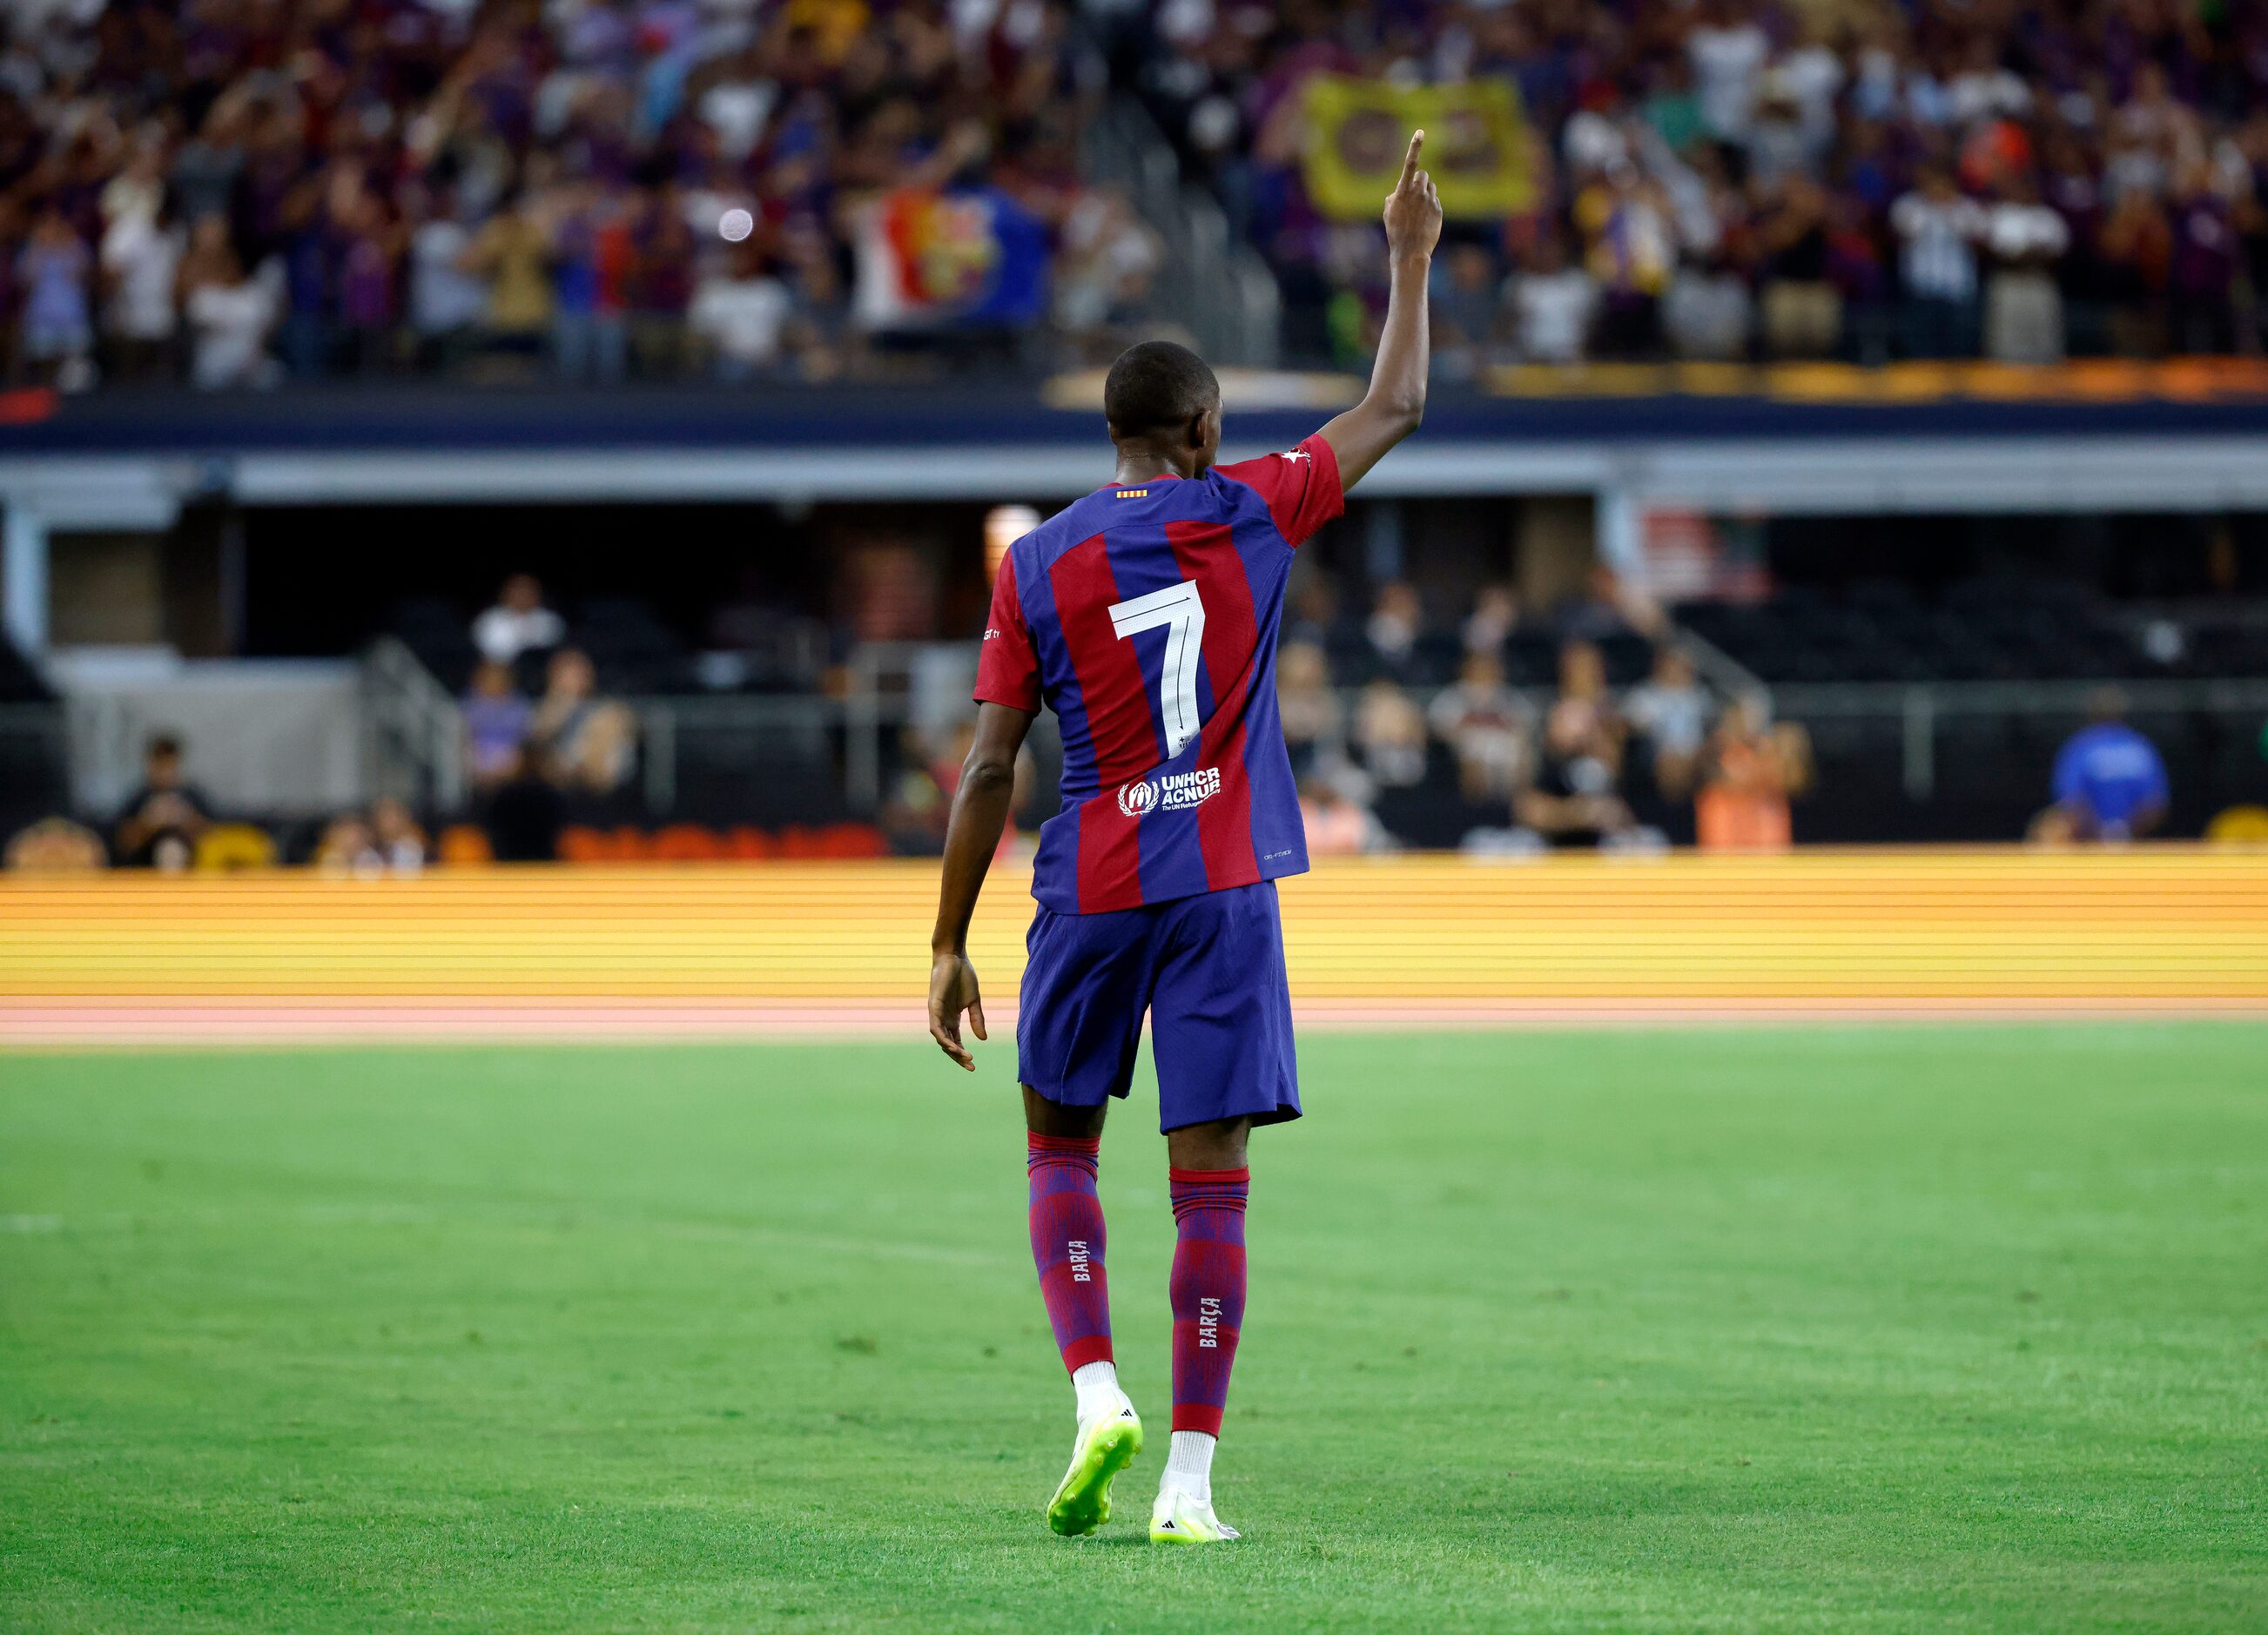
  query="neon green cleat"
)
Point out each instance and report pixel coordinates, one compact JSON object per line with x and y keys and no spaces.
{"x":1105,"y":1448}
{"x":1181,"y":1517}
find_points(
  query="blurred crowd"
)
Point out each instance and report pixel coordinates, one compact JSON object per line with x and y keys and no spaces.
{"x":1731,"y":179}
{"x":1405,"y":733}
{"x":235,"y":190}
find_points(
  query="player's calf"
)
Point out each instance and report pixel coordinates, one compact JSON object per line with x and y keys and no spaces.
{"x":1208,"y":1301}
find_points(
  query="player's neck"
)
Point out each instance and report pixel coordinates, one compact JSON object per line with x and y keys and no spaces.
{"x":1142,"y":464}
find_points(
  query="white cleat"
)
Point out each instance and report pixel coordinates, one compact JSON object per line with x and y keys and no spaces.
{"x":1182,"y":1518}
{"x":1106,"y":1445}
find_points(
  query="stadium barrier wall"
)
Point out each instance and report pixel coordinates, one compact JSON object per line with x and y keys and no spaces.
{"x":700,"y":950}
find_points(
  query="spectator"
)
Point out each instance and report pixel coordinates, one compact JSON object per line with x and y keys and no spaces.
{"x":588,"y":743}
{"x":1337,"y":824}
{"x":401,"y":840}
{"x":446,"y":301}
{"x":2023,"y":308}
{"x":1708,"y":313}
{"x":1938,"y":229}
{"x":1802,"y":309}
{"x":372,"y":246}
{"x":1729,"y":48}
{"x":1494,"y":617}
{"x":1389,"y":734}
{"x":1486,"y":726}
{"x":53,"y":271}
{"x":159,"y":823}
{"x":590,"y":273}
{"x":1109,"y":258}
{"x":1396,"y":621}
{"x":740,"y":312}
{"x":661,"y":286}
{"x":1552,"y":304}
{"x":2137,"y":251}
{"x":1631,"y":251}
{"x":1569,"y":797}
{"x":2204,"y":262}
{"x":54,"y":845}
{"x":512,"y":255}
{"x":348,"y":847}
{"x":230,"y":315}
{"x":2109,"y":782}
{"x":141,"y":261}
{"x":495,"y":724}
{"x":1465,"y":310}
{"x":1754,"y":769}
{"x":519,"y":624}
{"x":1671,"y":712}
{"x":1313,"y":721}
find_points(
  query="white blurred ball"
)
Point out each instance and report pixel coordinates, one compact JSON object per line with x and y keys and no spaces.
{"x":735,"y":224}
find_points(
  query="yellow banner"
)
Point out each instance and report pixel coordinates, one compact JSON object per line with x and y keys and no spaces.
{"x":1476,"y":145}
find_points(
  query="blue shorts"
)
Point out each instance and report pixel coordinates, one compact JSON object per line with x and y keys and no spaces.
{"x":1210,"y":971}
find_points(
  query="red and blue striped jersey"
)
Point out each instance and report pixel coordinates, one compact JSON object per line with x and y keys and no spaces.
{"x":1145,"y":615}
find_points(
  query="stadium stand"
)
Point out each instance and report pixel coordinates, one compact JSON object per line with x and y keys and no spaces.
{"x":235,"y":192}
{"x":514,"y":255}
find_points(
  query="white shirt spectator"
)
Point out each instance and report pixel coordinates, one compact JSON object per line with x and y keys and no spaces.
{"x":1592,"y":141}
{"x":142,"y":259}
{"x":1983,"y":94}
{"x":742,"y":318}
{"x":1938,"y":259}
{"x":503,"y":634}
{"x":737,"y":111}
{"x":1809,"y":76}
{"x":232,"y":323}
{"x":1728,"y":64}
{"x":443,"y":296}
{"x":1673,"y":719}
{"x":1551,"y":314}
{"x":1708,"y":314}
{"x":2020,"y":234}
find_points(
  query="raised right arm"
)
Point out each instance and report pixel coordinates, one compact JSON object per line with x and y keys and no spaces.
{"x":1396,"y":402}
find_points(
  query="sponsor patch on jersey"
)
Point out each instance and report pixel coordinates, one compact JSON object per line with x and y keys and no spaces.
{"x":1176,"y":791}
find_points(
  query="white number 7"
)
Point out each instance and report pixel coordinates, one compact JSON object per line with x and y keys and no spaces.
{"x":1179,"y":609}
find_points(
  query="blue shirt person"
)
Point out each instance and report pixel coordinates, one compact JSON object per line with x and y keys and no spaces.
{"x":2109,"y":782}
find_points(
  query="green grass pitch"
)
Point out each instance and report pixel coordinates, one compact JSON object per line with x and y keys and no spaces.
{"x":1883,"y":1330}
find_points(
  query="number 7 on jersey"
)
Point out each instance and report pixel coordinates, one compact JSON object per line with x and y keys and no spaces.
{"x":1179,"y":612}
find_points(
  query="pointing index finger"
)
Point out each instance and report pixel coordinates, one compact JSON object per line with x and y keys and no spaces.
{"x":1409,"y":159}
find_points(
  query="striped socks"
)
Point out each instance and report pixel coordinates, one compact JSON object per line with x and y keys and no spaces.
{"x":1208,"y":1297}
{"x":1066,"y":1221}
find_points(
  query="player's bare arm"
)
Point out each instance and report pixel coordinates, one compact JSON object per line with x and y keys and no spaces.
{"x":980,"y":813}
{"x":1396,"y":402}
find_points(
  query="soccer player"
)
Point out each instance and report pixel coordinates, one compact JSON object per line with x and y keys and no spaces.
{"x":1145,"y":617}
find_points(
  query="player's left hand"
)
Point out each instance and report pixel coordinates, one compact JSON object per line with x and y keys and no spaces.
{"x":953,"y":990}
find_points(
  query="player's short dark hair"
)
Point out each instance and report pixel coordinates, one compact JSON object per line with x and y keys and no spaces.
{"x":163,"y":747}
{"x":1157,"y":387}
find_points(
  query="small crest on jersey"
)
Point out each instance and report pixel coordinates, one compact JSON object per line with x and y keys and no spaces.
{"x":1133,"y":493}
{"x":1176,"y":791}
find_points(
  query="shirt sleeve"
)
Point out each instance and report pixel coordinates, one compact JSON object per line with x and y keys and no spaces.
{"x":2160,"y":792}
{"x":1301,"y":488}
{"x":1008,"y":667}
